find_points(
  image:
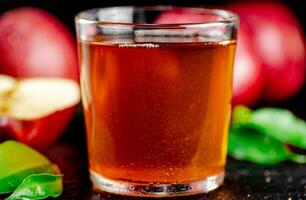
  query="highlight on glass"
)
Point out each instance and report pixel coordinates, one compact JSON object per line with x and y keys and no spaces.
{"x":156,"y":92}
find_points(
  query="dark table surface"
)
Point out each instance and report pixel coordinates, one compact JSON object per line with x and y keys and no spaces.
{"x":243,"y":180}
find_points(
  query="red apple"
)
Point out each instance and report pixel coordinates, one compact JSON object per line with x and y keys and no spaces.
{"x":35,"y":111}
{"x":35,"y":43}
{"x":248,"y":73}
{"x":279,"y":43}
{"x":181,"y":15}
{"x":248,"y":78}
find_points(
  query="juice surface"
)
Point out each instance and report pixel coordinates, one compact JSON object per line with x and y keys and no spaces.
{"x":157,"y":112}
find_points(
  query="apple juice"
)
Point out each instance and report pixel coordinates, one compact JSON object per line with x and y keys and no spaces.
{"x":156,"y":112}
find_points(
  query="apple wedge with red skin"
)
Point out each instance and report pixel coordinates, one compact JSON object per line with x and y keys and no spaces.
{"x":35,"y":43}
{"x":40,"y":134}
{"x":35,"y":111}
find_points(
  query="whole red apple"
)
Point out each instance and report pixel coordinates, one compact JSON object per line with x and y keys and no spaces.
{"x":248,"y":73}
{"x":181,"y":15}
{"x":35,"y":43}
{"x":279,"y":43}
{"x":248,"y":77}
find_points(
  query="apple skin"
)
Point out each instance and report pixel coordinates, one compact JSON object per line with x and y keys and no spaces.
{"x":179,"y":15}
{"x":248,"y":77}
{"x":40,"y":134}
{"x":279,"y":43}
{"x":35,"y":43}
{"x":31,"y":123}
{"x":248,"y":73}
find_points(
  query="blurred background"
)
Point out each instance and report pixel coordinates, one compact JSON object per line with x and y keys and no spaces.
{"x":269,"y":71}
{"x":282,"y":43}
{"x":270,"y":59}
{"x":67,"y":9}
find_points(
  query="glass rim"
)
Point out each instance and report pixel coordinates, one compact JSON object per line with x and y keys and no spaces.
{"x":228,"y":17}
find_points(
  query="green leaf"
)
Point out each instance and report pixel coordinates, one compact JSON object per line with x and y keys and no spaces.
{"x":250,"y":144}
{"x":38,"y":186}
{"x":274,"y":126}
{"x":241,"y":114}
{"x":301,"y":159}
{"x":17,"y":161}
{"x":282,"y":125}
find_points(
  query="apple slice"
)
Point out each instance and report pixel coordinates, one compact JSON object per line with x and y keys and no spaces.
{"x":38,"y":97}
{"x":36,"y":110}
{"x":7,"y":83}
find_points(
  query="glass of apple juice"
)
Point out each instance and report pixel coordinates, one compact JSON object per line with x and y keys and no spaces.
{"x":156,"y":91}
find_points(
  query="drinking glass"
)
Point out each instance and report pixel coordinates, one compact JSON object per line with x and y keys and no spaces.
{"x":156,"y":91}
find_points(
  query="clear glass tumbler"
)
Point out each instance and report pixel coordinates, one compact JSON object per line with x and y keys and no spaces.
{"x":156,"y":90}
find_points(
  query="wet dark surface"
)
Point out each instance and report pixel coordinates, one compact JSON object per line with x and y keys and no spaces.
{"x":285,"y":181}
{"x":243,"y":180}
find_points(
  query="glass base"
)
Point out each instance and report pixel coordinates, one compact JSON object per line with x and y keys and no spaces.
{"x":156,"y":190}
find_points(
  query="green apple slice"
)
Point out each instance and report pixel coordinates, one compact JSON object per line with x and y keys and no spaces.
{"x":17,"y":161}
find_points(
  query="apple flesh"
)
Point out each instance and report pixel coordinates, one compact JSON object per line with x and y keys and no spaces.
{"x":35,"y":111}
{"x":7,"y":84}
{"x":35,"y":43}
